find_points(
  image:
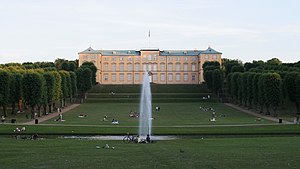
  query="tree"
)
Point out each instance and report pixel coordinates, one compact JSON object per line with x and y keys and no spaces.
{"x":228,"y":64}
{"x":212,"y":64}
{"x":15,"y":90}
{"x":261,"y":92}
{"x":235,"y":85}
{"x":291,"y":88}
{"x":93,"y":68}
{"x":208,"y":78}
{"x":274,"y":61}
{"x":84,"y":81}
{"x":32,"y":89}
{"x":237,"y":68}
{"x":218,"y":80}
{"x":64,"y":88}
{"x":297,"y":82}
{"x":50,"y":87}
{"x":73,"y":84}
{"x":57,"y":87}
{"x":250,"y":94}
{"x":4,"y":90}
{"x":272,"y":91}
{"x":255,"y":89}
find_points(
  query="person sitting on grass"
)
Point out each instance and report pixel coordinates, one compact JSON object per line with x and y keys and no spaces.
{"x":2,"y":119}
{"x":114,"y":121}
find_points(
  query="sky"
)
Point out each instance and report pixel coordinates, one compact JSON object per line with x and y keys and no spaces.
{"x":44,"y":30}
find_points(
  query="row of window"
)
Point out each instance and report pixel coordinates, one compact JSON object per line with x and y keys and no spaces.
{"x":150,"y":67}
{"x":145,"y":58}
{"x":153,"y":78}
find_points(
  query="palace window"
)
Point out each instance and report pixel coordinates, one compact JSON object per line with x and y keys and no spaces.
{"x":162,"y":77}
{"x":177,"y":58}
{"x":177,"y":67}
{"x":185,"y":67}
{"x":113,"y":58}
{"x":162,"y":58}
{"x":105,"y":66}
{"x":129,"y":77}
{"x":185,"y":77}
{"x":136,"y":67}
{"x":155,"y":77}
{"x":170,"y":76}
{"x":105,"y":77}
{"x":193,"y":67}
{"x":185,"y":58}
{"x":149,"y":57}
{"x":129,"y":67}
{"x":154,"y":56}
{"x":121,"y":76}
{"x":170,"y":67}
{"x":113,"y":77}
{"x":144,"y":57}
{"x":177,"y":76}
{"x":113,"y":67}
{"x":137,"y":77}
{"x":121,"y":67}
{"x":154,"y":67}
{"x":193,"y":77}
{"x":162,"y":67}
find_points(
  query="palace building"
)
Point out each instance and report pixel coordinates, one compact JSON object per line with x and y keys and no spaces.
{"x":164,"y":66}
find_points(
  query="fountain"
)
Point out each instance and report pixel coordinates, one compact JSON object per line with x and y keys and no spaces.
{"x":145,"y":124}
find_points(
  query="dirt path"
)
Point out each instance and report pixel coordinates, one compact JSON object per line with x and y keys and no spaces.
{"x":256,"y":114}
{"x":51,"y":115}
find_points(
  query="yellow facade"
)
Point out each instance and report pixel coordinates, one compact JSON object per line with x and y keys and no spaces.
{"x":166,"y":67}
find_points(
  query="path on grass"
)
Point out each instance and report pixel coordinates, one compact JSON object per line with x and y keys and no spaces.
{"x":274,"y":119}
{"x":51,"y":115}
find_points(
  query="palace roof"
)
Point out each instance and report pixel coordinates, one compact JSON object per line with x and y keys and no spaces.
{"x":137,"y":52}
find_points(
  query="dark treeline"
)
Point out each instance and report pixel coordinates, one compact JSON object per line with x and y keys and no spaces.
{"x":42,"y":87}
{"x":259,"y":85}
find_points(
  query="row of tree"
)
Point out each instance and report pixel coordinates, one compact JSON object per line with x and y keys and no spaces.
{"x":260,"y":85}
{"x":42,"y":88}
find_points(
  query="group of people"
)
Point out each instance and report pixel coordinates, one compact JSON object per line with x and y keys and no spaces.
{"x":147,"y":140}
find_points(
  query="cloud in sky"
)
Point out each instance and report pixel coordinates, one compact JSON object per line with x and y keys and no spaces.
{"x":45,"y":30}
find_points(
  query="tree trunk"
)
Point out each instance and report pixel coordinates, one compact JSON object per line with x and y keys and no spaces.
{"x":261,"y":109}
{"x":13,"y":108}
{"x":39,"y":110}
{"x":4,"y":110}
{"x":32,"y":112}
{"x":45,"y":109}
{"x":268,"y":111}
{"x":50,"y":108}
{"x":298,"y":107}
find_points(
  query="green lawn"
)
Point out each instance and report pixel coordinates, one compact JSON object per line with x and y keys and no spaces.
{"x":191,"y":153}
{"x":171,"y":114}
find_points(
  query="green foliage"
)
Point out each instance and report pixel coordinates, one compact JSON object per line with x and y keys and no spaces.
{"x":261,"y":91}
{"x":32,"y":88}
{"x":50,"y":86}
{"x":234,"y":85}
{"x":237,"y":68}
{"x":291,"y":88}
{"x":250,"y":94}
{"x":64,"y":85}
{"x":4,"y":88}
{"x":217,"y":80}
{"x":228,"y":64}
{"x":208,"y":78}
{"x":84,"y":79}
{"x":274,"y":61}
{"x":255,"y":88}
{"x":212,"y":64}
{"x":93,"y":68}
{"x":73,"y":79}
{"x":272,"y":90}
{"x":57,"y":86}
